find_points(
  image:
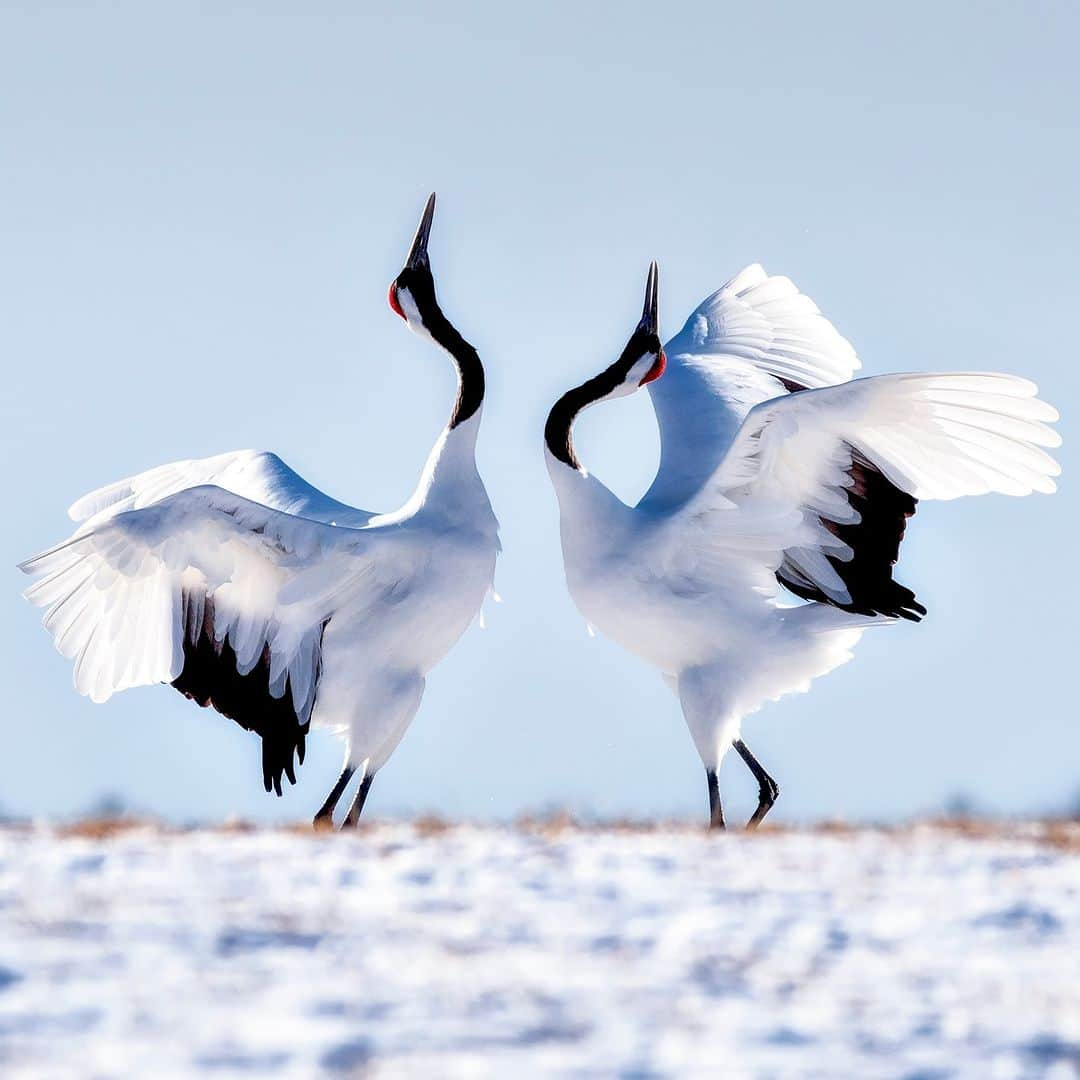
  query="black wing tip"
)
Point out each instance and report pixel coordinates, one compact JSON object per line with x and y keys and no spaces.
{"x":898,"y":602}
{"x":892,"y":600}
{"x":272,"y":773}
{"x":913,"y":611}
{"x":282,"y":754}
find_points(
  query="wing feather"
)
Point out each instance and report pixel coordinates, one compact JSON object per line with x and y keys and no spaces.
{"x":189,"y":590}
{"x":851,"y":461}
{"x":114,"y":594}
{"x":256,"y":475}
{"x":752,"y":340}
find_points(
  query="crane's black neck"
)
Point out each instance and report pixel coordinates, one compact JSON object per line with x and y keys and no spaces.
{"x":558,"y":431}
{"x":470,"y":395}
{"x":420,"y":284}
{"x":560,"y":421}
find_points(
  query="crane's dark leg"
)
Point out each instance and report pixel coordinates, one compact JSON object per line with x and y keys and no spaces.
{"x":716,"y":811}
{"x":352,"y":818}
{"x":768,"y":790}
{"x":324,"y":819}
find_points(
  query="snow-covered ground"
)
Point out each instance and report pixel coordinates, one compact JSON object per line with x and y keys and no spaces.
{"x":435,"y":952}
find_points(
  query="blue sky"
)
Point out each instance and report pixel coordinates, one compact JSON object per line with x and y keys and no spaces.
{"x":201,"y":209}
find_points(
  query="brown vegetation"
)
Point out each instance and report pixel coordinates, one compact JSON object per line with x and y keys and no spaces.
{"x":1060,"y":833}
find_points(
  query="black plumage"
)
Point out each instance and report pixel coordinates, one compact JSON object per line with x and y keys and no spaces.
{"x":875,"y":543}
{"x":209,"y":678}
{"x":874,"y":540}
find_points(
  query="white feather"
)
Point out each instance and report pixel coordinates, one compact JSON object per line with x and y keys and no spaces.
{"x":755,"y":481}
{"x":731,"y":354}
{"x":114,"y":592}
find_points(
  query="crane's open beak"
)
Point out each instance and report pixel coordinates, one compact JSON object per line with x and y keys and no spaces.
{"x":650,"y":316}
{"x":418,"y":255}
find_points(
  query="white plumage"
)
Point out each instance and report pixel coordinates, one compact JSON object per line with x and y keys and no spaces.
{"x":775,"y":471}
{"x":114,"y":592}
{"x":247,"y":588}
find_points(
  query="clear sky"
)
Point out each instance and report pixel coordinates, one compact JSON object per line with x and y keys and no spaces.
{"x":201,"y":207}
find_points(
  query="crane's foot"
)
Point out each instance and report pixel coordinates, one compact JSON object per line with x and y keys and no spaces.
{"x":324,"y":819}
{"x":352,"y":818}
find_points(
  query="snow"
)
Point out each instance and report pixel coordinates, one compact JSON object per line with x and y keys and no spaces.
{"x":430,"y":951}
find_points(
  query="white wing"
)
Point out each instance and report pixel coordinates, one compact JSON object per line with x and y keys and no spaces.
{"x":256,"y":475}
{"x":222,"y":597}
{"x":116,"y":594}
{"x":754,"y":339}
{"x":851,"y":460}
{"x":225,"y":598}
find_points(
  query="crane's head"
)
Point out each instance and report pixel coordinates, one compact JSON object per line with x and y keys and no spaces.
{"x":412,"y":292}
{"x":644,"y":343}
{"x":643,"y":359}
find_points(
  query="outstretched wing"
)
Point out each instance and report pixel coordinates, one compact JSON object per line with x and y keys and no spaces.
{"x":754,"y":339}
{"x":841,"y":468}
{"x":257,"y":475}
{"x":222,"y":597}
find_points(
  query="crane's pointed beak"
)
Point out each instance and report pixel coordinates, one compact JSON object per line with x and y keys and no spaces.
{"x":418,"y":255}
{"x":650,"y":315}
{"x":650,"y":325}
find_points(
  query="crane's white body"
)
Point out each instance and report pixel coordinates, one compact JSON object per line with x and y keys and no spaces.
{"x":749,"y":477}
{"x":388,"y":595}
{"x":247,"y":588}
{"x":716,"y":628}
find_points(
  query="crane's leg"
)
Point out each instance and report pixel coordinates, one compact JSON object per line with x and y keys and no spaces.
{"x":716,"y":811}
{"x":324,"y":819}
{"x":352,"y":818}
{"x":712,"y":722}
{"x":768,"y":790}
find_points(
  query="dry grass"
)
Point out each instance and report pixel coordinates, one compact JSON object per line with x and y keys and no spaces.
{"x":1058,"y":833}
{"x":105,"y":828}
